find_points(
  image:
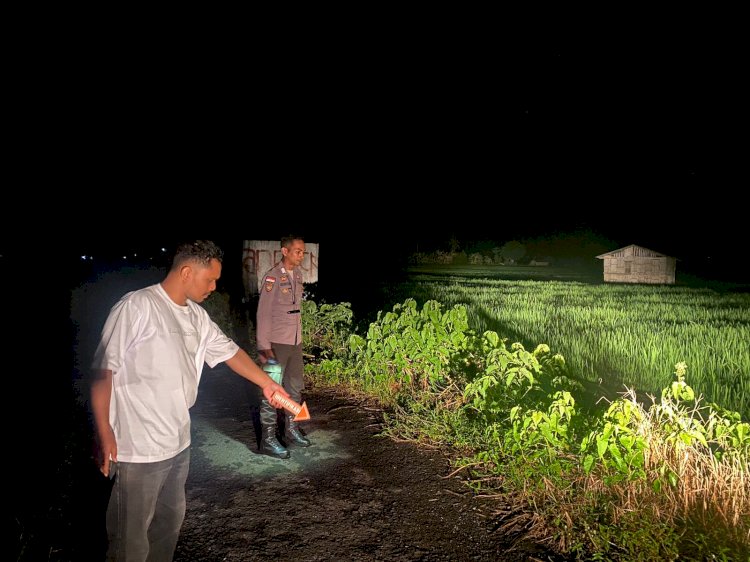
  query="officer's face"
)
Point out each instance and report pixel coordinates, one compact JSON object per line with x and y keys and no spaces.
{"x":294,"y":254}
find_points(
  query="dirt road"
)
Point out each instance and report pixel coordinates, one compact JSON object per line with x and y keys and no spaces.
{"x":351,"y":496}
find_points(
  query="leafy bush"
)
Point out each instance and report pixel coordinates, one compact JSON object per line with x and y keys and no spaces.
{"x":628,"y":483}
{"x":413,"y":352}
{"x":326,"y":329}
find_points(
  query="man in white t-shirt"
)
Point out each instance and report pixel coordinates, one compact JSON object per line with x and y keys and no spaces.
{"x":147,"y":368}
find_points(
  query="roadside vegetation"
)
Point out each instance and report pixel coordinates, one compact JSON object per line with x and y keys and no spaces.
{"x":623,"y":479}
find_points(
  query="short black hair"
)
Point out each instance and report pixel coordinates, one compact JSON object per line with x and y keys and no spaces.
{"x":202,"y":251}
{"x":286,"y":241}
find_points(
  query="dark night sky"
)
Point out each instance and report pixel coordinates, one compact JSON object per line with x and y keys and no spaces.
{"x":632,"y":139}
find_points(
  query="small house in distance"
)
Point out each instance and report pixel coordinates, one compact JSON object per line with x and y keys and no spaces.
{"x":636,"y":264}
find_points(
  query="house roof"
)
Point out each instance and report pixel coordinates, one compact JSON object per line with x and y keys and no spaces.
{"x":644,"y":252}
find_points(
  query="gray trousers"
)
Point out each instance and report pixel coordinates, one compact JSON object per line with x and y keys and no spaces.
{"x":290,"y":357}
{"x":146,"y":509}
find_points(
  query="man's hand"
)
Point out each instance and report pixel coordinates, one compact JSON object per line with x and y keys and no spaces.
{"x":271,"y":389}
{"x":107,"y":453}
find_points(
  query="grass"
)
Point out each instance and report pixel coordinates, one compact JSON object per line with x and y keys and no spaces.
{"x":612,"y":336}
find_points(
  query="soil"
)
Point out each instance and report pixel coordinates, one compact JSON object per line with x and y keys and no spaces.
{"x":353,"y":495}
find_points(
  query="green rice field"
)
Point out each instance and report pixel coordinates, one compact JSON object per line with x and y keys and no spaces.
{"x":614,"y":335}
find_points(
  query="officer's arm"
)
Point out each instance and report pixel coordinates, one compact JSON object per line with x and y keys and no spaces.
{"x":263,"y":321}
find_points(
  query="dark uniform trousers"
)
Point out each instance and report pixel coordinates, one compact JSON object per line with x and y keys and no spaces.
{"x":290,"y":358}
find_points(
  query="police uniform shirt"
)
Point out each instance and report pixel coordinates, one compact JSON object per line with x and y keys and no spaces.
{"x":279,"y":318}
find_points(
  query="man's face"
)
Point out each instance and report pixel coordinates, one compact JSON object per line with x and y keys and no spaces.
{"x":294,"y":254}
{"x":203,"y":280}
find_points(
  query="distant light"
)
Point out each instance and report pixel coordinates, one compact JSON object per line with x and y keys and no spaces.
{"x":163,"y":249}
{"x":135,"y":255}
{"x":83,"y":258}
{"x":124,"y":257}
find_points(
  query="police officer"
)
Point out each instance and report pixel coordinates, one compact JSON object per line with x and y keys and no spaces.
{"x":279,"y":337}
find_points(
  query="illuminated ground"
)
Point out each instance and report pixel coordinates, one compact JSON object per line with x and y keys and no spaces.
{"x":351,"y":496}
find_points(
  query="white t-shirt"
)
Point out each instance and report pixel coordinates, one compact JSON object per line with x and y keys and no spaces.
{"x":156,"y":350}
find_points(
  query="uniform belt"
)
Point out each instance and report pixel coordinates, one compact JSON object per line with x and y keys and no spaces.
{"x":292,"y":311}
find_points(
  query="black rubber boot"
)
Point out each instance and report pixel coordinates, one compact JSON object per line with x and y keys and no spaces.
{"x":293,"y":433}
{"x":269,"y":444}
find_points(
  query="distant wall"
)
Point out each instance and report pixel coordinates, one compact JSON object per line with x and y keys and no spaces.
{"x":258,"y":256}
{"x":633,"y":269}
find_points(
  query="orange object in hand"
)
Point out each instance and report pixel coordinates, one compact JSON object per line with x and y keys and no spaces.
{"x":301,"y":413}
